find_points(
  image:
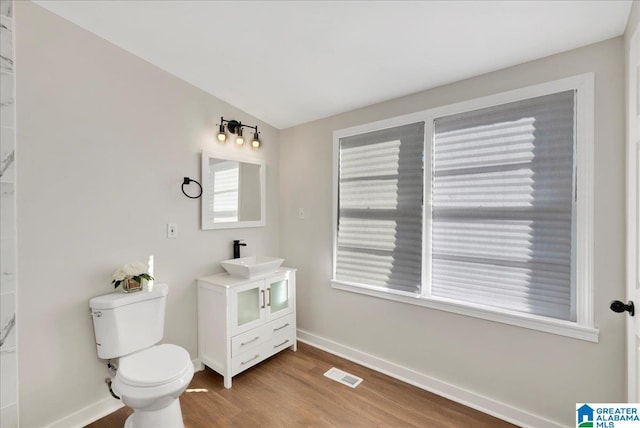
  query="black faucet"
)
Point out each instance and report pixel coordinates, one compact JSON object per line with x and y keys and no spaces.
{"x":236,"y":248}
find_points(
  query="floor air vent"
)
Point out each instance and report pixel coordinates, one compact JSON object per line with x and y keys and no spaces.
{"x":343,"y":377}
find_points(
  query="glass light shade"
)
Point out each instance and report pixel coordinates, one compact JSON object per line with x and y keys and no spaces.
{"x":222,"y":136}
{"x":255,"y":143}
{"x":239,"y":138}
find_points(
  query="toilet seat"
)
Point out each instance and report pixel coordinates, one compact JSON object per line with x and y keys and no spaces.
{"x":154,"y":366}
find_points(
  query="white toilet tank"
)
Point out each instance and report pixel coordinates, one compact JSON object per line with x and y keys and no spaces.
{"x":128,"y":322}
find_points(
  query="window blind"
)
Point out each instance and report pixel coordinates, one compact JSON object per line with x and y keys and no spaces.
{"x":503,"y":206}
{"x":380,"y":191}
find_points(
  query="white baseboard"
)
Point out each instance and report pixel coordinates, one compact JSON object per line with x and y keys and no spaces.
{"x":428,"y":383}
{"x":88,"y":414}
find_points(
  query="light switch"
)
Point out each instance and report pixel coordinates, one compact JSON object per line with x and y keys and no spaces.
{"x":301,"y":213}
{"x":172,"y":230}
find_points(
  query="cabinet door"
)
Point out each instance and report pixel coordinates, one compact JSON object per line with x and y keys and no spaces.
{"x":279,"y":292}
{"x":247,"y":306}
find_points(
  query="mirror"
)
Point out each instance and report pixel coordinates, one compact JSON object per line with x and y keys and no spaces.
{"x":233,"y":191}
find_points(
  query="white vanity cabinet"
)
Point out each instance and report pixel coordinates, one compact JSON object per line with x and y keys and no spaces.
{"x":244,"y":321}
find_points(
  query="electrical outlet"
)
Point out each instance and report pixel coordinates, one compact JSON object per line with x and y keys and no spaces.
{"x":172,"y":230}
{"x":301,"y":213}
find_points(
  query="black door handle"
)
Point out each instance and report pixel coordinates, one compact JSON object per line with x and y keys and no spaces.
{"x":619,"y":307}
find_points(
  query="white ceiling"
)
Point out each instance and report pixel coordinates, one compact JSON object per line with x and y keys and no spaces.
{"x":290,"y":62}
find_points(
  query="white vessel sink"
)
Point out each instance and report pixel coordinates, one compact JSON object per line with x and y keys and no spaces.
{"x":249,"y":267}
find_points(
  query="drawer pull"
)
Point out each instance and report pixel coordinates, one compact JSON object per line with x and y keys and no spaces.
{"x":242,"y":363}
{"x":280,"y":344}
{"x":250,"y":341}
{"x":280,"y":328}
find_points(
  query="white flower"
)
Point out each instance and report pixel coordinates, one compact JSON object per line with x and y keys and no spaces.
{"x":129,"y":270}
{"x":119,"y":275}
{"x":134,"y":269}
{"x":137,"y":271}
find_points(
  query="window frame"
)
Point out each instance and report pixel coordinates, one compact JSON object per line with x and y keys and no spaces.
{"x":583,"y":328}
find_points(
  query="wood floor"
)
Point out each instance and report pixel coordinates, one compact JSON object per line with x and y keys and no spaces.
{"x":289,"y":390}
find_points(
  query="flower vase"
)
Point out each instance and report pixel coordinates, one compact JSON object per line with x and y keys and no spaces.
{"x":130,"y":285}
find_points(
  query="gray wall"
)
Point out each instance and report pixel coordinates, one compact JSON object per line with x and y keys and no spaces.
{"x":104,"y":139}
{"x":540,"y":373}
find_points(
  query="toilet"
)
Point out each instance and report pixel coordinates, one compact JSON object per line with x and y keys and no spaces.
{"x":149,"y":377}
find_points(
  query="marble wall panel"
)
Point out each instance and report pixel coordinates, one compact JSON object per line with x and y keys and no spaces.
{"x":7,"y":106}
{"x":6,"y":8}
{"x":8,"y":348}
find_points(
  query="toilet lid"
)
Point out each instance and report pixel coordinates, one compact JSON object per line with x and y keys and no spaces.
{"x":154,"y":366}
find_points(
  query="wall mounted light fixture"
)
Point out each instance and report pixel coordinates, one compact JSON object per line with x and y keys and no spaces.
{"x":235,"y":127}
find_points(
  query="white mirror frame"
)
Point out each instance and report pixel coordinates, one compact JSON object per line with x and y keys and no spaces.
{"x":206,"y":223}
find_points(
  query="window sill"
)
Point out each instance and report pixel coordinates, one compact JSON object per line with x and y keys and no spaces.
{"x":533,"y":322}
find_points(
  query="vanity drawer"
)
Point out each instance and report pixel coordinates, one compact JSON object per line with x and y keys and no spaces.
{"x":250,"y":339}
{"x":263,"y":351}
{"x":282,"y":340}
{"x":249,"y":358}
{"x":281,"y":325}
{"x":259,"y":335}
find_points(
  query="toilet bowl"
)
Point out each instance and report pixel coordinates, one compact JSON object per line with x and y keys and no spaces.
{"x":150,"y":382}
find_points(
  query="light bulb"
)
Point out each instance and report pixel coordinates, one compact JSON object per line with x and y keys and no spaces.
{"x":255,"y":143}
{"x":239,"y":138}
{"x":222,"y":136}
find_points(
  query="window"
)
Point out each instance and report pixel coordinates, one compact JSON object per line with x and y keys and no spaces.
{"x":379,"y":240}
{"x":481,"y":208}
{"x":502,"y":206}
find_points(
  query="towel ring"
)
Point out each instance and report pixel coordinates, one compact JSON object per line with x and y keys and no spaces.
{"x":187,"y":181}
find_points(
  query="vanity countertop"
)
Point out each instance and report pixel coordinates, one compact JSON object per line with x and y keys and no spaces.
{"x":224,"y":279}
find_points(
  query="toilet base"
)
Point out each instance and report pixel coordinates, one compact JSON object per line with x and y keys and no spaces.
{"x":167,"y":417}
